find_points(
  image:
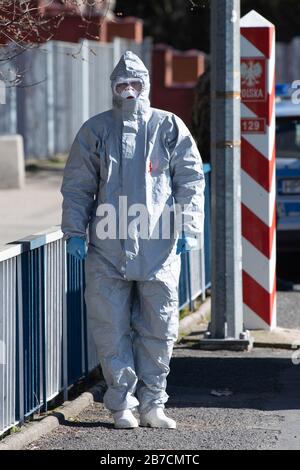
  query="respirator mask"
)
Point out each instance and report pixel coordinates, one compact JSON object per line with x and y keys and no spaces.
{"x":128,"y":88}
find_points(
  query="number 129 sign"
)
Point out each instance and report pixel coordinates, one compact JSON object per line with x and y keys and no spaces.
{"x":253,"y":126}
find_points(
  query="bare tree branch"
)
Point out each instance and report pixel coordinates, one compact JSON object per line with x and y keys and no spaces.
{"x":26,"y":24}
{"x":37,"y":20}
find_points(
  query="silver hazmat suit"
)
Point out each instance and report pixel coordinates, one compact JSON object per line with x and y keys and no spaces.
{"x":148,"y":156}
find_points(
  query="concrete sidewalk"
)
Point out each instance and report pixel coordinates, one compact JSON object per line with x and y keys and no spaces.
{"x":36,"y":207}
{"x":221,"y":400}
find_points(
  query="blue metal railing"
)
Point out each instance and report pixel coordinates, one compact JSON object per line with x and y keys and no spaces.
{"x":207,"y":226}
{"x":45,"y":345}
{"x":195,"y":276}
{"x":76,"y":321}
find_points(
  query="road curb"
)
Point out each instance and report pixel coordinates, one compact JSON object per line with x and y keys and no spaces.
{"x":278,"y":338}
{"x":32,"y":431}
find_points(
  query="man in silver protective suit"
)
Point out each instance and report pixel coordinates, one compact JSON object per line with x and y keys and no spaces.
{"x":133,"y":159}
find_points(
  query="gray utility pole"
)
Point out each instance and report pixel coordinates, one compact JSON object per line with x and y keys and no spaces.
{"x":226,"y":328}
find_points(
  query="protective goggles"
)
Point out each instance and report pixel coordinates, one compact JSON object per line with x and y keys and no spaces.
{"x":135,"y":83}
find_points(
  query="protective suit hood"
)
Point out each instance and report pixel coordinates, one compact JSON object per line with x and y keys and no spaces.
{"x":131,"y":66}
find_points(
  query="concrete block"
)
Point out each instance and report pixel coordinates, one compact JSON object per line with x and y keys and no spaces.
{"x":12,"y":163}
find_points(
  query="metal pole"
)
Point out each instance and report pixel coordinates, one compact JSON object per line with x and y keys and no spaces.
{"x":227,"y":304}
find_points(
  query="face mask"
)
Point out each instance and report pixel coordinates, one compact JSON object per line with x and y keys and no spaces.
{"x":129,"y":93}
{"x":128,"y":88}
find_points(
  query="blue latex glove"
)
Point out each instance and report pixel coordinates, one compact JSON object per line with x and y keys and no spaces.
{"x":77,"y":247}
{"x":185,"y":244}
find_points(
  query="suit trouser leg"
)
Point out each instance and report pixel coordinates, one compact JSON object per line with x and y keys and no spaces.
{"x":109,"y":304}
{"x":155,"y":322}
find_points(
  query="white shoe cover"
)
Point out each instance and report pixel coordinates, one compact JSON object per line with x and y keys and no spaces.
{"x":125,"y":419}
{"x":156,"y":418}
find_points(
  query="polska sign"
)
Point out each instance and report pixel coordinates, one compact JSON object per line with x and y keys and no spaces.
{"x":253,"y":79}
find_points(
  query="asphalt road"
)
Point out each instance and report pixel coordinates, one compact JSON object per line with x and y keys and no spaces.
{"x":288,"y":308}
{"x":288,"y":266}
{"x":288,"y":303}
{"x":261,"y":410}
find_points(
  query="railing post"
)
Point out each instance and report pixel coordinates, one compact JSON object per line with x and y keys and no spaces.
{"x":202,"y":271}
{"x":188,"y":270}
{"x":85,"y":360}
{"x":64,"y":325}
{"x":20,"y":335}
{"x":43,"y":265}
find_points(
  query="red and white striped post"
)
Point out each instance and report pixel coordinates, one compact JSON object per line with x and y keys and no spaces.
{"x":258,"y":172}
